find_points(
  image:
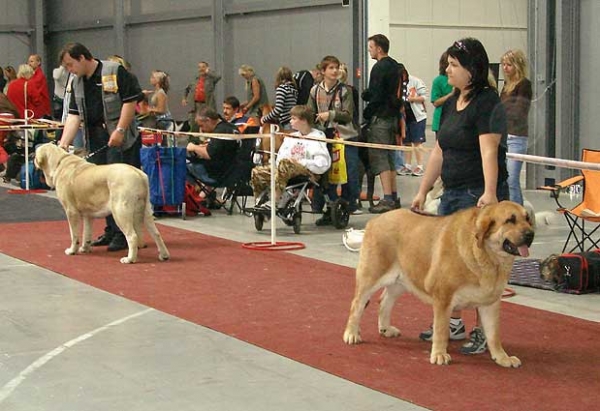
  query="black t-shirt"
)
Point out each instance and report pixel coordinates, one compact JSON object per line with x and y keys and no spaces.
{"x":129,"y":90}
{"x":382,"y":92}
{"x":458,"y":138}
{"x":222,"y":152}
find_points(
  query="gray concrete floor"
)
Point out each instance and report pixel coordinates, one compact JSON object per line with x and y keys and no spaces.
{"x":68,"y":346}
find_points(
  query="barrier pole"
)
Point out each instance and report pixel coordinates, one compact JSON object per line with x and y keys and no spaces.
{"x":273,"y":129}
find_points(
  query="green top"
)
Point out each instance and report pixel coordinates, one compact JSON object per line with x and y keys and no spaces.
{"x":440,"y":88}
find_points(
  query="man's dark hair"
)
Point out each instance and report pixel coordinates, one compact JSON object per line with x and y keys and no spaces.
{"x":381,"y":41}
{"x":75,"y":50}
{"x":208,"y":112}
{"x":232,"y":101}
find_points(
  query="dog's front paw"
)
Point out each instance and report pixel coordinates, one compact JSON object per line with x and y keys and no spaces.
{"x":389,"y":332}
{"x":508,"y":362}
{"x":164,"y":257}
{"x":127,"y":260}
{"x":440,"y":358}
{"x":71,"y":251}
{"x":352,"y":336}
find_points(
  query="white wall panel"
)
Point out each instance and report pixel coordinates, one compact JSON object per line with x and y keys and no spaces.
{"x":421,"y":30}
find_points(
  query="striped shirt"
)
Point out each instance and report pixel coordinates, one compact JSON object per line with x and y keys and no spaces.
{"x":286,"y":96}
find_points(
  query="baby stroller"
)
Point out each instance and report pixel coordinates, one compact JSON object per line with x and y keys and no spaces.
{"x":289,"y":206}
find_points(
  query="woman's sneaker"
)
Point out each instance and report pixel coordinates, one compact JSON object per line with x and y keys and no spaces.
{"x":457,"y":332}
{"x":477,"y":343}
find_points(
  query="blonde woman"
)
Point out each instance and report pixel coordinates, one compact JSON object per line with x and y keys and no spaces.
{"x":256,"y":93}
{"x":516,"y":98}
{"x":22,"y":95}
{"x":159,"y":100}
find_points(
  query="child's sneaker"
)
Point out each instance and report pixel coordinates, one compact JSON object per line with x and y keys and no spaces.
{"x":477,"y":343}
{"x":457,"y":332}
{"x":404,"y":171}
{"x":418,"y":171}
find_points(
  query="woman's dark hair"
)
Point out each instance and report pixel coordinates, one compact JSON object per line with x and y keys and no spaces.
{"x":471,"y":54}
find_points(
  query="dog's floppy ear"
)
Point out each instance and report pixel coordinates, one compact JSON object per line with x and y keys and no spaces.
{"x":483,"y":224}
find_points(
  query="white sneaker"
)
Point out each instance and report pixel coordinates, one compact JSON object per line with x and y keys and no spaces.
{"x":404,"y":171}
{"x":418,"y":171}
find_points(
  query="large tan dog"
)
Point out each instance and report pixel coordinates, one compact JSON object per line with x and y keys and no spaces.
{"x":86,"y":190}
{"x":459,"y":261}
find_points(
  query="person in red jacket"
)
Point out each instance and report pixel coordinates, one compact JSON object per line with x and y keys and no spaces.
{"x":21,"y":93}
{"x":39,"y":83}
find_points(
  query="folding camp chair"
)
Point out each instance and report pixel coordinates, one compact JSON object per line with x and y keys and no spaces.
{"x":583,"y":219}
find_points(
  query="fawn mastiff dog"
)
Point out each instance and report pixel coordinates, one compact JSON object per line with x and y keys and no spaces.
{"x":86,"y":190}
{"x":458,"y":261}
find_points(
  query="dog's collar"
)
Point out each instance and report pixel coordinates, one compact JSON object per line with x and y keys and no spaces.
{"x":63,"y":157}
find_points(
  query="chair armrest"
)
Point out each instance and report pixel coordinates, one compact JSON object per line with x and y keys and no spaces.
{"x":563,"y":184}
{"x":557,"y":188}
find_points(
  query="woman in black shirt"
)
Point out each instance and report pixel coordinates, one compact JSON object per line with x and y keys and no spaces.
{"x":469,"y":154}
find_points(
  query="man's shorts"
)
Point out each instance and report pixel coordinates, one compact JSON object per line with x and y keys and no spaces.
{"x":382,"y":131}
{"x":415,"y":132}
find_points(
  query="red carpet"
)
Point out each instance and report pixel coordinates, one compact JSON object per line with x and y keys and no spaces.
{"x":297,"y":307}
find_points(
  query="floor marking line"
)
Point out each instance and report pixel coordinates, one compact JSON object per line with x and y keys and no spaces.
{"x":10,"y":386}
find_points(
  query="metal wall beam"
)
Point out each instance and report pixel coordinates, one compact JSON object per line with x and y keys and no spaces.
{"x":119,"y":27}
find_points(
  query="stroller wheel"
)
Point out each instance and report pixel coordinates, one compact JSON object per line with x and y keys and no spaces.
{"x":259,"y":220}
{"x":339,"y":213}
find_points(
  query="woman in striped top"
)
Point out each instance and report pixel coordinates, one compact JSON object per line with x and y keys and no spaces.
{"x":286,"y":95}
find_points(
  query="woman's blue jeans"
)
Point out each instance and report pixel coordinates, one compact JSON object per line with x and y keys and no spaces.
{"x":518,"y":145}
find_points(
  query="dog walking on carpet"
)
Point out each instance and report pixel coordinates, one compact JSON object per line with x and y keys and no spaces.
{"x":86,"y":191}
{"x":458,"y":261}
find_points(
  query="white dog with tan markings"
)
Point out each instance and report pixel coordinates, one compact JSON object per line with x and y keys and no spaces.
{"x":453,"y":262}
{"x":86,"y":191}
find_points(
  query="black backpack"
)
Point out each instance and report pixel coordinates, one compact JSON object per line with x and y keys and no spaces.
{"x":305,"y":81}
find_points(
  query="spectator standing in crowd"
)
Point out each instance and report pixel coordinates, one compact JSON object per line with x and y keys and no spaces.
{"x":440,"y":92}
{"x":200,"y":93}
{"x":256,"y":93}
{"x":104,"y":96}
{"x":159,"y":100}
{"x":469,"y":155}
{"x":286,"y":95}
{"x":382,"y":113}
{"x":516,"y":98}
{"x":11,"y":74}
{"x":305,"y":80}
{"x":296,"y":157}
{"x":40,"y":85}
{"x":333,"y":102}
{"x":2,"y":80}
{"x":415,"y":117}
{"x":23,"y":95}
{"x":61,"y":77}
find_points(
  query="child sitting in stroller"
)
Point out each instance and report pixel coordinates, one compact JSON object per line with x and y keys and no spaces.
{"x":296,"y":157}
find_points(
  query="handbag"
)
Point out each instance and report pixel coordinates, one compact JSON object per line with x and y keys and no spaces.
{"x":577,"y":273}
{"x":338,"y":173}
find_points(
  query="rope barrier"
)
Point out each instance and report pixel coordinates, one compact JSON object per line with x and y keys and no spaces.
{"x":561,"y":163}
{"x":254,"y":136}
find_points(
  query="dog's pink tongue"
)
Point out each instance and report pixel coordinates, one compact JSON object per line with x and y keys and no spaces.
{"x":524,"y":251}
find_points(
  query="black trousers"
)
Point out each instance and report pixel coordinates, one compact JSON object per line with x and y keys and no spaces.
{"x":111,"y":155}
